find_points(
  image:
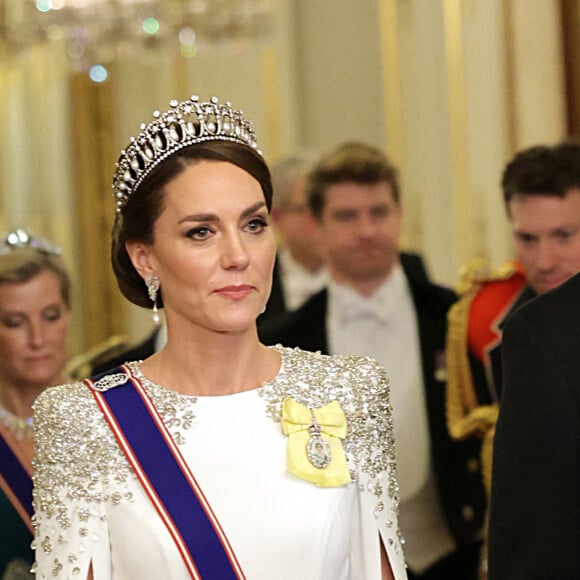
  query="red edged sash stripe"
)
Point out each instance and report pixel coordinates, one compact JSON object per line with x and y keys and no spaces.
{"x":167,"y":480}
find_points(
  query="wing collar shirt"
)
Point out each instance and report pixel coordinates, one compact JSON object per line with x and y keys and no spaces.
{"x":384,"y":327}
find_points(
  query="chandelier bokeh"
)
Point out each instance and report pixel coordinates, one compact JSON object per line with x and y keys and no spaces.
{"x":94,"y":31}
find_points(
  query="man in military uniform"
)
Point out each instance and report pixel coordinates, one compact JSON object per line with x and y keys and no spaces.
{"x":541,"y":188}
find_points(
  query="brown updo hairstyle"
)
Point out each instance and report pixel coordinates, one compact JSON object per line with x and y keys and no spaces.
{"x":136,"y":220}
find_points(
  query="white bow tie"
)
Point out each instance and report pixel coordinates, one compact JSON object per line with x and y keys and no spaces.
{"x":352,"y":310}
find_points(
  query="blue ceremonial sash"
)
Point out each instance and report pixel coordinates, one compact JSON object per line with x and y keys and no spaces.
{"x":165,"y":476}
{"x":16,"y":482}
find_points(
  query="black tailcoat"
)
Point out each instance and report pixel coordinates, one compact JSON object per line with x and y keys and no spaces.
{"x":534,"y":529}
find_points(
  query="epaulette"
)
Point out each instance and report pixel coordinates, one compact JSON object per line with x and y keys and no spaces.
{"x":473,"y":327}
{"x":493,"y":300}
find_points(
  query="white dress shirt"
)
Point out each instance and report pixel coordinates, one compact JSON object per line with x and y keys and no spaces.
{"x":384,"y":326}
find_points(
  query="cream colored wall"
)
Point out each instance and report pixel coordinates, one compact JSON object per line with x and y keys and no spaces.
{"x":426,"y":162}
{"x":538,"y":74}
{"x":450,"y":89}
{"x":338,"y":64}
{"x":489,"y":141}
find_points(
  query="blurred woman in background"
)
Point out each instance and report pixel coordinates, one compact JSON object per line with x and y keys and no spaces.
{"x":34,"y":319}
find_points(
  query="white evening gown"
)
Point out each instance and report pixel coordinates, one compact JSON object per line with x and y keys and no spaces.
{"x":90,"y":507}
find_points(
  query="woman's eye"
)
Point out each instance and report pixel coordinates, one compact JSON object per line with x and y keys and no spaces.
{"x":12,"y":321}
{"x":200,"y":233}
{"x":257,"y":225}
{"x":52,"y":314}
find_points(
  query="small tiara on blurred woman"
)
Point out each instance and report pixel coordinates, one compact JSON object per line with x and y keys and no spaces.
{"x":34,"y":318}
{"x":217,"y":457}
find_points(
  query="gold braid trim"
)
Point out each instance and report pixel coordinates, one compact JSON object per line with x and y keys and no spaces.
{"x":487,"y":458}
{"x":465,"y":416}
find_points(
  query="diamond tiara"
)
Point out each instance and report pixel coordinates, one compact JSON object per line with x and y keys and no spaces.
{"x":185,"y":123}
{"x":19,"y":239}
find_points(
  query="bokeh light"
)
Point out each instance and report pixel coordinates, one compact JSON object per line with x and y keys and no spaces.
{"x":43,"y":5}
{"x":98,"y":73}
{"x":150,"y":25}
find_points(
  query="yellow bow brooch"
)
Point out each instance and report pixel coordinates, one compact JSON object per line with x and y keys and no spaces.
{"x":315,"y":452}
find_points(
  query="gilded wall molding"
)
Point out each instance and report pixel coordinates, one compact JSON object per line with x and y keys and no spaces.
{"x":393,"y":110}
{"x":458,"y":121}
{"x":92,"y":122}
{"x":271,"y":99}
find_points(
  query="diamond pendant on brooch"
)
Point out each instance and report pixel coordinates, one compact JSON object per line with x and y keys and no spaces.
{"x":317,"y":449}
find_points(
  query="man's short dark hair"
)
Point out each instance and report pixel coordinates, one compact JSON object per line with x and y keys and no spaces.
{"x":350,"y":162}
{"x":542,"y":170}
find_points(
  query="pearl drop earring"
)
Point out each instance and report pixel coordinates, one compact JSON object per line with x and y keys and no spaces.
{"x":152,"y":283}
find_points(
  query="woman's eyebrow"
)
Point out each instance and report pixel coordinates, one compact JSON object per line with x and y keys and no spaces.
{"x":211,"y":217}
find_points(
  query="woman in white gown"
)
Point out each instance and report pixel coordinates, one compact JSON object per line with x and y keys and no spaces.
{"x":216,"y":457}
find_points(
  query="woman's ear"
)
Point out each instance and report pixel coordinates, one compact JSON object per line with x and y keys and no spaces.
{"x":140,"y":256}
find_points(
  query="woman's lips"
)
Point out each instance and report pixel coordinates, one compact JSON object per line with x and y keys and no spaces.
{"x":235,"y":292}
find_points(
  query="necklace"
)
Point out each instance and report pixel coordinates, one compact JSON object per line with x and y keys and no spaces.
{"x":19,"y":427}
